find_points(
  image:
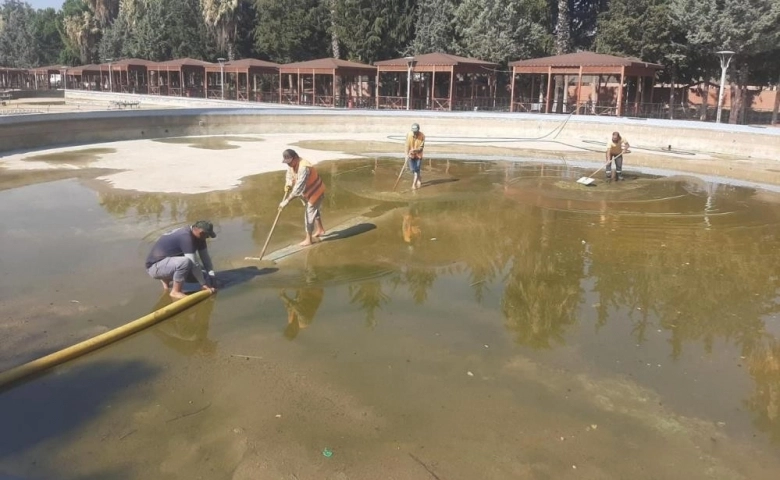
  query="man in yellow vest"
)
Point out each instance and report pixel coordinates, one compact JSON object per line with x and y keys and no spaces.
{"x":616,"y":147}
{"x":303,"y":181}
{"x":415,"y":142}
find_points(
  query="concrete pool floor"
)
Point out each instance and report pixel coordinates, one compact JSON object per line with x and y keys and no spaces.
{"x":445,"y":380}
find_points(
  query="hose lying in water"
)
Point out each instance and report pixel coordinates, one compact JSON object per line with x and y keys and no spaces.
{"x":99,"y":341}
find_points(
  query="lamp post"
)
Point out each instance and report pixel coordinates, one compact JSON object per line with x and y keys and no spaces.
{"x":725,"y":59}
{"x":110,"y":74}
{"x":409,"y":66}
{"x":222,"y":75}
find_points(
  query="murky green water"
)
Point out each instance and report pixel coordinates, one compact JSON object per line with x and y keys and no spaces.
{"x":502,"y":322}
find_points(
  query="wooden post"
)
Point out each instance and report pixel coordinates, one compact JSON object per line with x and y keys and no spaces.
{"x":620,"y":91}
{"x":638,"y":96}
{"x":433,"y":85}
{"x":579,"y":92}
{"x":548,"y":98}
{"x":512,"y":91}
{"x":280,"y":86}
{"x":376,"y":89}
{"x":333,"y":90}
{"x":300,"y":86}
{"x":313,"y":87}
{"x":452,"y":84}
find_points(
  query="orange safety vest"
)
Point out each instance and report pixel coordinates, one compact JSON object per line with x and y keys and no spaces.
{"x":314,"y":188}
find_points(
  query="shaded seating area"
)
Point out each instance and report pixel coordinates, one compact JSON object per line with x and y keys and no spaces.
{"x":14,"y":78}
{"x":129,"y":75}
{"x":247,"y":79}
{"x":42,"y":77}
{"x":583,"y":83}
{"x":327,"y":82}
{"x":85,"y":77}
{"x":184,"y":77}
{"x":439,"y":81}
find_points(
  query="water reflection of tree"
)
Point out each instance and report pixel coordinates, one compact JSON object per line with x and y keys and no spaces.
{"x":369,"y":297}
{"x":764,"y":365}
{"x":542,"y":288}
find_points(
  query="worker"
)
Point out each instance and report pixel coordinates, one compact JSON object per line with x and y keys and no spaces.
{"x":415,"y":142}
{"x":303,"y":181}
{"x":616,"y":147}
{"x":172,"y":258}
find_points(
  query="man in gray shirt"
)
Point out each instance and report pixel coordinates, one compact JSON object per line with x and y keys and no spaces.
{"x":173,"y":257}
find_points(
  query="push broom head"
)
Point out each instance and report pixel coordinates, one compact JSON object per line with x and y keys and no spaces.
{"x":585,"y":181}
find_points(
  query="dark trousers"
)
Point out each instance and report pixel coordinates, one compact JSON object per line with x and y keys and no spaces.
{"x":618,"y":166}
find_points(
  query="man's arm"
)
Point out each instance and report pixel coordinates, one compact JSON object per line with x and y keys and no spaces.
{"x":300,"y":185}
{"x":197,"y":272}
{"x":288,"y":178}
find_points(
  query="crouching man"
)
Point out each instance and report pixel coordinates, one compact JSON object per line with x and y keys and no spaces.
{"x":173,"y":258}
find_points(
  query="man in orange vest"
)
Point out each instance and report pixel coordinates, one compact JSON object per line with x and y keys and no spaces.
{"x":303,"y":181}
{"x":415,"y":142}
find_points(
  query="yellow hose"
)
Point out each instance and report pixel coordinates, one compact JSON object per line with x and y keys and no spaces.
{"x":57,"y":358}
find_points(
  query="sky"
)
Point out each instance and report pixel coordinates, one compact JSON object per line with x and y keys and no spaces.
{"x":46,"y":3}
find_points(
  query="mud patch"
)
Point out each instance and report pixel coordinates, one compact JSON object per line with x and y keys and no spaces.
{"x":22,"y":178}
{"x":210,"y":143}
{"x":72,"y":157}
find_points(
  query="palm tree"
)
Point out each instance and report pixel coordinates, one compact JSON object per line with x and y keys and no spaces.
{"x":222,"y":17}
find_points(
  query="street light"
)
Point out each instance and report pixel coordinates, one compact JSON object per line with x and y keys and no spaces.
{"x":222,"y":75}
{"x":409,"y":66}
{"x":725,"y":59}
{"x":110,"y":83}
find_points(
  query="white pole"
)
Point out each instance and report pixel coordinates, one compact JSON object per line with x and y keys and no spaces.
{"x":222,"y":75}
{"x":409,"y":63}
{"x":725,"y":60}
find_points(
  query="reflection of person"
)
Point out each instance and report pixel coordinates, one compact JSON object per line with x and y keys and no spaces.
{"x":187,"y":332}
{"x":616,"y":146}
{"x":415,"y":143}
{"x":410,"y":227}
{"x":173,"y":257}
{"x":303,"y":181}
{"x":301,"y":309}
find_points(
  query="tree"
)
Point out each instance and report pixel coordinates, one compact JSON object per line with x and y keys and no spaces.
{"x":502,"y":31}
{"x":435,"y":27}
{"x":291,"y":30}
{"x":17,"y":39}
{"x":48,"y":42}
{"x":641,"y":28}
{"x":223,"y":18}
{"x":747,"y":27}
{"x":371,"y":30}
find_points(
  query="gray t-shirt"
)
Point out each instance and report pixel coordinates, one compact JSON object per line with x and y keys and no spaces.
{"x":175,"y":243}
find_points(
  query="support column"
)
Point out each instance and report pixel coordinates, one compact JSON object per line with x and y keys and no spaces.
{"x":452,"y":84}
{"x":579,"y":92}
{"x":433,"y":85}
{"x":512,"y":92}
{"x":638,"y":95}
{"x":620,"y":91}
{"x":548,"y":98}
{"x":313,"y":87}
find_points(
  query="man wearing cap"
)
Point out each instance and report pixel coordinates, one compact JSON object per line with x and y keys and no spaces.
{"x":173,"y":257}
{"x":617,"y":145}
{"x":415,"y":142}
{"x":303,"y":181}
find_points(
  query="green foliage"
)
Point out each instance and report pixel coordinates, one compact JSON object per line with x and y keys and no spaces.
{"x":435,"y":27}
{"x":641,"y":29}
{"x":17,"y":40}
{"x":47,"y":36}
{"x":372,"y":30}
{"x":503,"y":31}
{"x":291,"y":30}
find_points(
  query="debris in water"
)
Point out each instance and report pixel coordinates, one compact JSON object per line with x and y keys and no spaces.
{"x":327,"y":453}
{"x":469,"y":374}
